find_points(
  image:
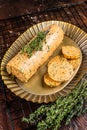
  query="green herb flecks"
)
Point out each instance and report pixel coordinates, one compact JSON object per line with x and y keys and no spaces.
{"x":50,"y":116}
{"x":35,"y":45}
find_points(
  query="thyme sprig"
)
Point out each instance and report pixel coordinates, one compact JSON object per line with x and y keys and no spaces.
{"x":35,"y":44}
{"x":63,"y":108}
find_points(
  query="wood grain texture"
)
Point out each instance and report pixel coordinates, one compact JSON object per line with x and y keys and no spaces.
{"x":10,"y":8}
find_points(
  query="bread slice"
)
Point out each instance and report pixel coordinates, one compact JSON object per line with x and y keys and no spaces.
{"x":59,"y":69}
{"x":50,"y":82}
{"x":70,"y":52}
{"x":75,"y":63}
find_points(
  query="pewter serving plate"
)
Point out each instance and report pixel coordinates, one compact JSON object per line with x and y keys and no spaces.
{"x":35,"y":90}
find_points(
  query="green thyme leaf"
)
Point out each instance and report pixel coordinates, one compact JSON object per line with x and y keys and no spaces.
{"x":35,"y":44}
{"x":50,"y":116}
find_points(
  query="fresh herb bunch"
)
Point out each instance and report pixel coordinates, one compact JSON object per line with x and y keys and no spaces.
{"x":50,"y":116}
{"x":35,"y":44}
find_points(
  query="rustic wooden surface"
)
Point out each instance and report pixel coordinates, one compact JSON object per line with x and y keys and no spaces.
{"x":11,"y":8}
{"x":12,"y":108}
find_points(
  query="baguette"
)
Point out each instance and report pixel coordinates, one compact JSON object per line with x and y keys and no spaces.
{"x":23,"y":66}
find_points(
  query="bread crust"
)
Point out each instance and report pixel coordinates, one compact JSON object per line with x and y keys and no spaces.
{"x":24,"y":67}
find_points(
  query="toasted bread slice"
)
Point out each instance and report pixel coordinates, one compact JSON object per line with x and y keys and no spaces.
{"x":75,"y":63}
{"x":50,"y":82}
{"x":70,"y":52}
{"x":59,"y":69}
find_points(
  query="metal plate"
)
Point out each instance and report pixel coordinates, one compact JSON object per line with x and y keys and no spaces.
{"x":34,"y":90}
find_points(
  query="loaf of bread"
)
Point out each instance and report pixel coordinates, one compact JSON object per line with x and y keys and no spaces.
{"x":25,"y":64}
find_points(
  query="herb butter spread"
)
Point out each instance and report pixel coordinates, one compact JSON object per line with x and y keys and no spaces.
{"x":35,"y":44}
{"x":35,"y":53}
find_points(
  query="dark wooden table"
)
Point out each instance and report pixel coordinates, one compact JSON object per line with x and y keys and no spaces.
{"x":10,"y":8}
{"x":15,"y":18}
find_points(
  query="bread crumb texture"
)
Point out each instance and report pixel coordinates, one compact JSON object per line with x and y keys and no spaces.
{"x":59,"y":69}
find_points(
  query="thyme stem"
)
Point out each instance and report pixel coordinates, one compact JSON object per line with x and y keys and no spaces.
{"x":64,"y":107}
